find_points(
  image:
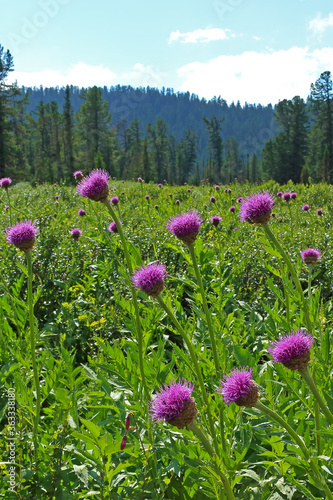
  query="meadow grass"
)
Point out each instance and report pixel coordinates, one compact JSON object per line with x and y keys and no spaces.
{"x":104,"y":349}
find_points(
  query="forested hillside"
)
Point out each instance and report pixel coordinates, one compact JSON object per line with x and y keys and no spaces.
{"x":161,"y":135}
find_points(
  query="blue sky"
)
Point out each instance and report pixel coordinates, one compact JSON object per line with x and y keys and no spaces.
{"x":252,"y":50}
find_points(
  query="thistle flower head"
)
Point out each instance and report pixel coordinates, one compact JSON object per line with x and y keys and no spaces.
{"x":174,"y":404}
{"x":147,"y":197}
{"x":5,"y":182}
{"x":240,"y":388}
{"x":240,"y":199}
{"x":76,"y":233}
{"x":319,"y":211}
{"x":292,"y":350}
{"x":212,"y":199}
{"x":113,"y":227}
{"x":293,"y":196}
{"x":150,"y":279}
{"x":279,"y":194}
{"x":94,"y":186}
{"x":22,"y":235}
{"x":81,"y":212}
{"x":232,"y":209}
{"x":185,"y":226}
{"x":217,"y":187}
{"x":257,"y":208}
{"x":305,"y":208}
{"x":310,"y":256}
{"x":286,"y":196}
{"x":114,"y":200}
{"x":215,"y":220}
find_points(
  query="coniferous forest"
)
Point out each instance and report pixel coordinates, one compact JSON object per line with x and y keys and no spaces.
{"x":48,"y":133}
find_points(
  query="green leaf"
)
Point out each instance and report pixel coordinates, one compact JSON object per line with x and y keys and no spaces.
{"x":93,"y":428}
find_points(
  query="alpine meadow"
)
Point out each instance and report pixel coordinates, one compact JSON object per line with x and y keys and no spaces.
{"x":166,"y":294}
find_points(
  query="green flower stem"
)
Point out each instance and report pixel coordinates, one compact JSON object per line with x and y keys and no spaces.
{"x":134,"y":295}
{"x":309,"y":381}
{"x":310,"y":267}
{"x":291,"y":220}
{"x":10,"y":208}
{"x":196,"y":367}
{"x":298,"y":440}
{"x":208,"y":447}
{"x":205,"y":305}
{"x":277,"y":245}
{"x":33,"y":347}
{"x":317,"y":421}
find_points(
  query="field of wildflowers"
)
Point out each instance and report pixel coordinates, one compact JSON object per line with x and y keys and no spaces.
{"x":166,"y":342}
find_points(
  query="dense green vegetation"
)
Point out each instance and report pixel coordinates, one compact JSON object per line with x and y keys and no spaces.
{"x":88,"y":353}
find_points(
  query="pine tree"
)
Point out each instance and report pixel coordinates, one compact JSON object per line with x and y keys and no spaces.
{"x":68,"y":121}
{"x":215,"y":146}
{"x":8,"y":95}
{"x":321,"y":98}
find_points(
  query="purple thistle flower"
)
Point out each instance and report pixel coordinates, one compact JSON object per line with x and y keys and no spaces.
{"x":227,"y":190}
{"x":159,"y":185}
{"x":185,"y":226}
{"x":114,"y":200}
{"x":150,"y":279}
{"x":217,"y":187}
{"x":319,"y":211}
{"x":310,"y":256}
{"x":293,"y":196}
{"x":305,"y":208}
{"x":7,"y":207}
{"x":232,"y":209}
{"x":94,"y":186}
{"x":212,"y":199}
{"x":76,"y":233}
{"x":5,"y":182}
{"x":78,"y":175}
{"x":22,"y":235}
{"x":57,"y":196}
{"x":239,"y":200}
{"x":189,"y":190}
{"x":113,"y":227}
{"x":257,"y":208}
{"x":174,"y":404}
{"x":147,"y":197}
{"x":81,"y":212}
{"x":279,"y":194}
{"x":215,"y":220}
{"x":240,"y":388}
{"x":286,"y":196}
{"x":140,"y":179}
{"x":292,"y":350}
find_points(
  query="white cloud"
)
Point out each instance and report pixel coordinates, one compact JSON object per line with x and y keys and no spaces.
{"x":85,"y":75}
{"x":320,"y":24}
{"x":199,"y":35}
{"x":257,"y":77}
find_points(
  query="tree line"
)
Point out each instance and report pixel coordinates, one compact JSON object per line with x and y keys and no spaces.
{"x":53,"y":139}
